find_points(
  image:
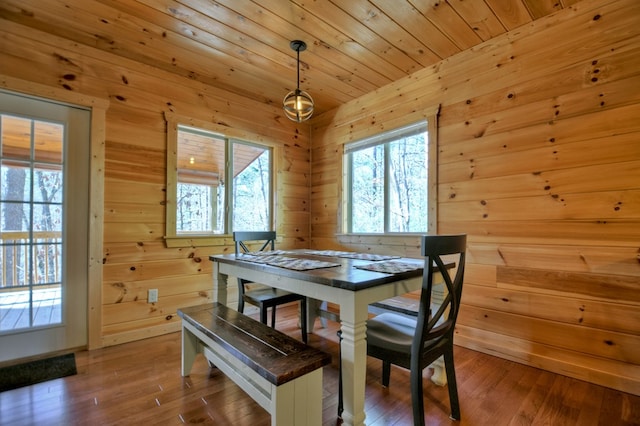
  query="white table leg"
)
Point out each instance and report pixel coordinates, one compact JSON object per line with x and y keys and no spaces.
{"x":439,"y":376}
{"x":219,"y":285}
{"x":354,"y":361}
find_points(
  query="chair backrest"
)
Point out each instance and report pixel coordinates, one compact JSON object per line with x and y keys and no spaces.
{"x":434,"y":326}
{"x":241,"y":238}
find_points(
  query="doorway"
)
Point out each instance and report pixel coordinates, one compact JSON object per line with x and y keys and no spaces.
{"x":44,"y":199}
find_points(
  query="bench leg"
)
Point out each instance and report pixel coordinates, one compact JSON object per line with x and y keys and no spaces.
{"x":298,"y":402}
{"x":189,"y":350}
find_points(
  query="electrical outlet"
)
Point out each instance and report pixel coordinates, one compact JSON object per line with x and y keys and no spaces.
{"x":153,"y":295}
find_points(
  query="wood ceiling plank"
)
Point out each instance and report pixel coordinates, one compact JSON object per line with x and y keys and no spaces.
{"x":274,"y":47}
{"x":357,"y":38}
{"x":399,"y":25}
{"x":419,"y":27}
{"x":361,"y":34}
{"x":512,"y":13}
{"x":541,"y":8}
{"x":322,"y":38}
{"x":480,"y":18}
{"x":449,"y":22}
{"x":236,"y":56}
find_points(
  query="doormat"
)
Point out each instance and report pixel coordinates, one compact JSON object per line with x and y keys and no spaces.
{"x":33,"y":372}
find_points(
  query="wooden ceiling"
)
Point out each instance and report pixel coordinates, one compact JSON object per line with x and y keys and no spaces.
{"x":242,"y":46}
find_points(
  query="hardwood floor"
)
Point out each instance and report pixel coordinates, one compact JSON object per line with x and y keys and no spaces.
{"x":140,"y":383}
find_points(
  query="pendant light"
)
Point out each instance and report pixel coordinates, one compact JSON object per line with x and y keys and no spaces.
{"x":298,"y":105}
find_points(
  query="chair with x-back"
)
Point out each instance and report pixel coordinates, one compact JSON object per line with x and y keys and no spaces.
{"x":416,"y":342}
{"x":262,"y":296}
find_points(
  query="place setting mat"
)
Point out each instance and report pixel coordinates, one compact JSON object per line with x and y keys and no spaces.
{"x":352,"y":255}
{"x":389,"y":267}
{"x":265,"y":253}
{"x":287,"y":262}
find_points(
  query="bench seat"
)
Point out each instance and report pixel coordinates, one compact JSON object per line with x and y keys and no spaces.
{"x":280,"y":373}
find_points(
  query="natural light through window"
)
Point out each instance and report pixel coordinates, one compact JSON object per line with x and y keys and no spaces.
{"x":387,"y":182}
{"x":219,"y":184}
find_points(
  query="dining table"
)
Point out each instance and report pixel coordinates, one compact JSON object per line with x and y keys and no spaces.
{"x":349,"y":280}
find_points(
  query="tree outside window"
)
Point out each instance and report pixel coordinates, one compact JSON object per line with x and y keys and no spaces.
{"x":387,"y":183}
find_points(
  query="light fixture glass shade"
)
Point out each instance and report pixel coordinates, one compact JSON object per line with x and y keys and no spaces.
{"x":298,"y":105}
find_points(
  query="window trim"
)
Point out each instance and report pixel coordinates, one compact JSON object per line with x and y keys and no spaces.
{"x":430,"y":115}
{"x":173,"y":121}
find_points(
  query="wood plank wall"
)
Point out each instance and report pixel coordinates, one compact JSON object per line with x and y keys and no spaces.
{"x":135,"y":257}
{"x":539,"y":163}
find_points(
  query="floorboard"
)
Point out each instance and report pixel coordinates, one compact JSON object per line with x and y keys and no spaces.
{"x":140,"y":383}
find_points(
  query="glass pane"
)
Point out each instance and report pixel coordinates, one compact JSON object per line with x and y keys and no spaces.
{"x":46,"y":307}
{"x":201,"y":189}
{"x":408,"y":180}
{"x":14,"y":260}
{"x":14,"y":309}
{"x":367,"y":202}
{"x":251,"y":188}
{"x":15,"y":217}
{"x":46,"y":261}
{"x":48,"y":184}
{"x":48,"y":141}
{"x":47,"y":220}
{"x":16,"y":181}
{"x":16,"y":137}
{"x":195,"y":213}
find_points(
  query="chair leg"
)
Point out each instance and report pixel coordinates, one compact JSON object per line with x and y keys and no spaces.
{"x":303,"y":318}
{"x":240,"y":304}
{"x":240,"y":295}
{"x":451,"y":383}
{"x":417,"y":401}
{"x":263,"y":314}
{"x":386,"y":373}
{"x":273,"y":317}
{"x":340,"y":397}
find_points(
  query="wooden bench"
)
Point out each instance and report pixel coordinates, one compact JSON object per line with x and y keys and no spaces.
{"x":282,"y":374}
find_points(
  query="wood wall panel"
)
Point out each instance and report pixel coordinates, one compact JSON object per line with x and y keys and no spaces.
{"x":587,"y":232}
{"x":591,"y":311}
{"x":135,"y":257}
{"x":539,"y":160}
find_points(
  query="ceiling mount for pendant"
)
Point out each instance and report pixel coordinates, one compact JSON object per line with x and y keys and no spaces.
{"x":298,"y":104}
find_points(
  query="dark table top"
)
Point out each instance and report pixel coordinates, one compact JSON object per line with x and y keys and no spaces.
{"x":345,"y":275}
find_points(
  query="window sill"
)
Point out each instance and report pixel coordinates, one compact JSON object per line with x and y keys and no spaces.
{"x":388,"y":238}
{"x":198,"y":241}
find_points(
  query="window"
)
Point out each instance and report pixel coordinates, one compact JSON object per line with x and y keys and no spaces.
{"x":390,"y":182}
{"x":218,"y":184}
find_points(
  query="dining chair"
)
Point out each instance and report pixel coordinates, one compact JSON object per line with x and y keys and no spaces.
{"x":415,"y":343}
{"x":262,"y":296}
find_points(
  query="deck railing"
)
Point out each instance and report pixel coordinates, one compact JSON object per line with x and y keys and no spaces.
{"x":26,"y":260}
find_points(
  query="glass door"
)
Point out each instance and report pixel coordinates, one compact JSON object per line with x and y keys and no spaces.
{"x":44,"y":169}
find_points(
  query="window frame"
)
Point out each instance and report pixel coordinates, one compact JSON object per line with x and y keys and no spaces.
{"x":174,"y":121}
{"x":428,"y":118}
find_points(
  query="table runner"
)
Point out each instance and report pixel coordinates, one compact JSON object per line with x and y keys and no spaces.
{"x":352,"y":255}
{"x":287,"y":262}
{"x":389,"y":267}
